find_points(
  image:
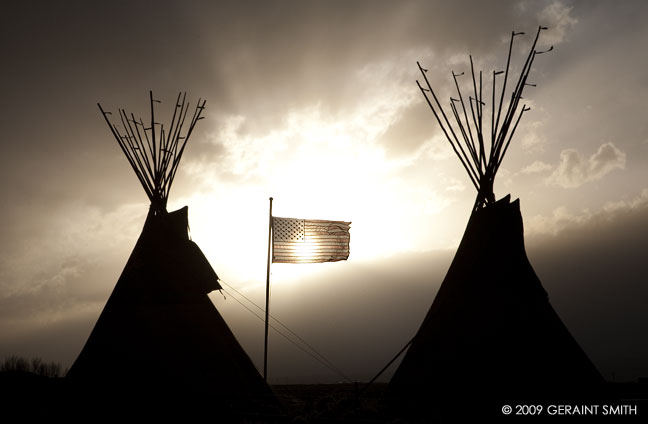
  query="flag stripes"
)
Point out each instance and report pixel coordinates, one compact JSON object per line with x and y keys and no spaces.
{"x":309,"y":240}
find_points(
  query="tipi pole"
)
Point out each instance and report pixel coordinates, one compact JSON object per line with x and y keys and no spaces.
{"x":267,"y":305}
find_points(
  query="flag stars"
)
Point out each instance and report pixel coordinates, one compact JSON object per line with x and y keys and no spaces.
{"x":288,"y":229}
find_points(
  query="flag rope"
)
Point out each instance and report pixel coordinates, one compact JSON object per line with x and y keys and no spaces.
{"x":314,"y":354}
{"x":400,"y":352}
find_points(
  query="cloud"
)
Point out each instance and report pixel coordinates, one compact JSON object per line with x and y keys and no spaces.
{"x":406,"y":134}
{"x":574,"y":170}
{"x":454,"y":184}
{"x":561,"y":218}
{"x":533,"y":142}
{"x":383,"y":93}
{"x":533,"y":139}
{"x":70,"y":265}
{"x":633,"y":204}
{"x":557,"y":16}
{"x":536,"y":167}
{"x":593,"y":267}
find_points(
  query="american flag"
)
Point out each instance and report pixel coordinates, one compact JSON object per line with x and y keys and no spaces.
{"x":309,"y":240}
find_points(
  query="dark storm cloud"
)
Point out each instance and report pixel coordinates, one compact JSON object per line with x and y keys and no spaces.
{"x":259,"y":59}
{"x":65,"y":289}
{"x":63,"y":57}
{"x":405,"y":136}
{"x":595,"y":273}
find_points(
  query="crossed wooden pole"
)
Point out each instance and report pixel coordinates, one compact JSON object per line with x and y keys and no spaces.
{"x":469,"y":142}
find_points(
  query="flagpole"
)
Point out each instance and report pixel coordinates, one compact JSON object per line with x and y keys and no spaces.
{"x":267,"y":310}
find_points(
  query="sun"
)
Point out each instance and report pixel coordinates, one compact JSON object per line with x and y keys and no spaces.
{"x":315,"y":167}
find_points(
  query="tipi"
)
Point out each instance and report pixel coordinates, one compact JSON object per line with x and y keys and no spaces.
{"x":491,"y":331}
{"x":159,"y":329}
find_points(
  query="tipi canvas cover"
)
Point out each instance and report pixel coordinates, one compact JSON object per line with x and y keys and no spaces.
{"x":159,"y":333}
{"x":160,"y":325}
{"x":491,"y":331}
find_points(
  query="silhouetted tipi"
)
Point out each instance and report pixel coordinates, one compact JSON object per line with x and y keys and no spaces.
{"x":491,"y":331}
{"x":159,"y":329}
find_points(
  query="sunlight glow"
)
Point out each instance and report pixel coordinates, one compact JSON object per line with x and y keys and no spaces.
{"x":305,"y":251}
{"x":324,"y":166}
{"x":335,"y":175}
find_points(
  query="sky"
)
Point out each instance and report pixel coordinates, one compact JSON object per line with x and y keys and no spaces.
{"x":316,"y":105}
